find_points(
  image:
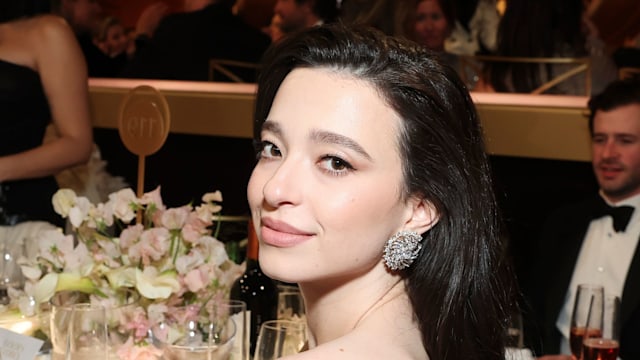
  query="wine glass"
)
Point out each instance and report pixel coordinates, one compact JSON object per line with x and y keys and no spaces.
{"x":237,"y":311}
{"x":192,"y":333}
{"x":79,"y":332}
{"x":603,"y":346}
{"x":587,"y":316}
{"x":10,"y":272}
{"x":290,"y":304}
{"x":278,"y":338}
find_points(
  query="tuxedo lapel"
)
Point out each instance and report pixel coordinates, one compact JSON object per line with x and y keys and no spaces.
{"x":631,"y":291}
{"x":561,"y":241}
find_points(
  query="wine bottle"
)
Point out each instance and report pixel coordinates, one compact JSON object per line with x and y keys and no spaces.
{"x":256,"y":289}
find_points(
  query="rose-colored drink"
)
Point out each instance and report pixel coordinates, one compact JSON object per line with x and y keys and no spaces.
{"x":576,"y":338}
{"x":600,"y":349}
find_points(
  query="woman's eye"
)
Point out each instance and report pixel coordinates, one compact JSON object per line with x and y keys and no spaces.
{"x":335,"y":165}
{"x":269,"y":150}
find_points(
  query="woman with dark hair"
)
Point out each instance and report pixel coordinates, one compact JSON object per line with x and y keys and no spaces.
{"x":372,"y":191}
{"x":547,"y":28}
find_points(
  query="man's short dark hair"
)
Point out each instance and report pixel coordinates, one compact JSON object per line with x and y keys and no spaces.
{"x":616,"y":94}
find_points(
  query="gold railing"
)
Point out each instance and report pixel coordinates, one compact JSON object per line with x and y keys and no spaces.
{"x":582,"y":66}
{"x":229,"y":69}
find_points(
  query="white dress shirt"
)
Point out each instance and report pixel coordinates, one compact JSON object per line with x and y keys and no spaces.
{"x":604,"y":259}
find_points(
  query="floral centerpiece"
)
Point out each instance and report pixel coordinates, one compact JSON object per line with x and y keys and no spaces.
{"x":168,"y":257}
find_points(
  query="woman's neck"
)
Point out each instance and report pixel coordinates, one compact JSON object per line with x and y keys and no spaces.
{"x":334,"y":311}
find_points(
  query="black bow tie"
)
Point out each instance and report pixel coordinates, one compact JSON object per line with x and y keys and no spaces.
{"x":620,"y":214}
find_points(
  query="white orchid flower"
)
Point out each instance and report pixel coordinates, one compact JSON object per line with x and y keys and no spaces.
{"x":51,"y":283}
{"x":152,"y":285}
{"x":122,"y":277}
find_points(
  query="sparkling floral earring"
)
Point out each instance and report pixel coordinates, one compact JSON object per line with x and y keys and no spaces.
{"x":402,"y":249}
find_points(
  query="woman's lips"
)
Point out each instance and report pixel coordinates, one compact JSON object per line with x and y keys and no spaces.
{"x":281,"y":234}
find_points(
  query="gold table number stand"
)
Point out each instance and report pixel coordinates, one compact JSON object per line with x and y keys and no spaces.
{"x":143,"y":125}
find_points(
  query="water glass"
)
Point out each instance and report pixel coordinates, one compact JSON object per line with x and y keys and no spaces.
{"x":604,"y":345}
{"x":278,"y":338}
{"x":117,"y":312}
{"x":586,"y":319}
{"x":191,"y":334}
{"x":237,"y":310}
{"x":79,"y":332}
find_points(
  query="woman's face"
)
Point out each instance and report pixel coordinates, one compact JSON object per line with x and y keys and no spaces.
{"x":431,"y":26}
{"x":117,"y":41}
{"x":326,"y":192}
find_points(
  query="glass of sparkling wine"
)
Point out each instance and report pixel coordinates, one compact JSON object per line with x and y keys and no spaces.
{"x":604,"y":346}
{"x":279,"y":338}
{"x":586,"y":318}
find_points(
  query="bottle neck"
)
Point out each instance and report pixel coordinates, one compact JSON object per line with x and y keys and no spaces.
{"x":252,"y":244}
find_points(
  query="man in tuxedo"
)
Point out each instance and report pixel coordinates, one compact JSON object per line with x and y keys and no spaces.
{"x":589,"y":242}
{"x":184,"y":43}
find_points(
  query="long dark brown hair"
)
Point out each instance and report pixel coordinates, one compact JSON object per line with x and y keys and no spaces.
{"x":456,"y":286}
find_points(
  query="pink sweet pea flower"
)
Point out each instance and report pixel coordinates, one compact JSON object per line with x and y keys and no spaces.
{"x":174,"y":219}
{"x":153,"y":197}
{"x":153,"y":245}
{"x":130,"y":351}
{"x":130,"y":236}
{"x":122,"y":203}
{"x":195,"y":280}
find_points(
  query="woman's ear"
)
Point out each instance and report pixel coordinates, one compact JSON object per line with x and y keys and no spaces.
{"x":423,"y":215}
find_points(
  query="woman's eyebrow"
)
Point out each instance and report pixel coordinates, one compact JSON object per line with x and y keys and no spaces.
{"x":333,"y":138}
{"x":272,"y":127}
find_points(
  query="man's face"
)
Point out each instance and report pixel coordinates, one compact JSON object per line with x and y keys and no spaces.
{"x":294,"y":16}
{"x":615,"y":149}
{"x":83,"y":15}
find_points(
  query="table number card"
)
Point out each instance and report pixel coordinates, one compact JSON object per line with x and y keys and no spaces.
{"x":144,"y":125}
{"x":14,"y":346}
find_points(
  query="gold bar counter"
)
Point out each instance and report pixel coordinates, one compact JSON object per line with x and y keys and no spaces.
{"x":533,"y":126}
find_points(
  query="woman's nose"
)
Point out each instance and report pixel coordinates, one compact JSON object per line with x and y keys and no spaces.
{"x":285,"y":183}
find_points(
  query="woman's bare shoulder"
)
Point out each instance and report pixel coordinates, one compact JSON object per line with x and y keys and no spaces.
{"x":49,"y":27}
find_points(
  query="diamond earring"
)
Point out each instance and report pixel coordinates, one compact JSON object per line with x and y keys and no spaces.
{"x":402,"y":249}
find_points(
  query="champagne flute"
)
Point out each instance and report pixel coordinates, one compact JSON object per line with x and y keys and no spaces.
{"x":604,"y":346}
{"x":290,"y":304}
{"x":587,"y":316}
{"x":278,"y":338}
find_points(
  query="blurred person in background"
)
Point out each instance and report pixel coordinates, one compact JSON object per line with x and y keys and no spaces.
{"x":296,"y":15}
{"x":433,"y":24}
{"x":389,"y":16}
{"x":184,"y":43}
{"x":585,"y":242}
{"x":85,"y":16}
{"x":43,"y":81}
{"x":547,"y":28}
{"x":476,"y":27}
